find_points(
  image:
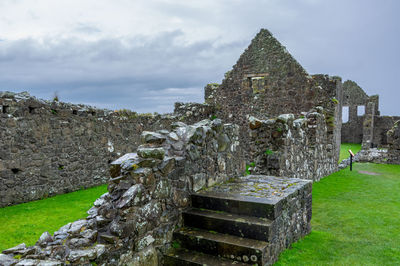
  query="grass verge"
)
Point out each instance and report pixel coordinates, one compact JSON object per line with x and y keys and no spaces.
{"x":356,"y":220}
{"x":27,"y":221}
{"x":344,"y":147}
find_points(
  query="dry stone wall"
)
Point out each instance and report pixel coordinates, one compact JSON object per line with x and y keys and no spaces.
{"x":290,"y":146}
{"x":48,"y":148}
{"x":135,"y":220}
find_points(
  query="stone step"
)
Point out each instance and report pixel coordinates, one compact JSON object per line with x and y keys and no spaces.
{"x":231,"y":247}
{"x":249,"y":206}
{"x":228,"y":223}
{"x":253,"y":195}
{"x":184,"y":257}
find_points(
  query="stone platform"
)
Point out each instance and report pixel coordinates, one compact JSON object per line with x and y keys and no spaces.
{"x":248,"y":220}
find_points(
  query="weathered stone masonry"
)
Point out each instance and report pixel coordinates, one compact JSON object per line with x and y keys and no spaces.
{"x":47,"y":148}
{"x":388,"y":155}
{"x":135,"y":220}
{"x":267,"y":81}
{"x":353,"y":98}
{"x":368,"y":128}
{"x":394,"y":143}
{"x":298,"y":147}
{"x":133,"y":223}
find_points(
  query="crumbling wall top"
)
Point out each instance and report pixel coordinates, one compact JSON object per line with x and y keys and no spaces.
{"x":353,"y":94}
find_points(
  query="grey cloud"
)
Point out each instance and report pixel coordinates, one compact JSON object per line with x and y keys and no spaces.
{"x":135,"y":73}
{"x":356,"y":39}
{"x":87,"y":28}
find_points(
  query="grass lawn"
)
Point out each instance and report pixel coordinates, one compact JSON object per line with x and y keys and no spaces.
{"x":344,"y":154}
{"x":26,"y":222}
{"x":356,"y":220}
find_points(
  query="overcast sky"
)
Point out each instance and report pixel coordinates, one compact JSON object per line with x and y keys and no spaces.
{"x":146,"y":55}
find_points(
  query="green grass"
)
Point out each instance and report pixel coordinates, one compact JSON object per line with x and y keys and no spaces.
{"x":26,"y":222}
{"x":344,"y":147}
{"x":356,"y":220}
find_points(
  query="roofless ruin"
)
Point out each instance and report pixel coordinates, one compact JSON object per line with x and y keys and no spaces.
{"x":227,"y":182}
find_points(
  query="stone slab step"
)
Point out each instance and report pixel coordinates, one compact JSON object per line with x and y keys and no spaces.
{"x":238,"y":205}
{"x":182,"y":257}
{"x":228,"y":223}
{"x":232,"y":247}
{"x":253,"y":195}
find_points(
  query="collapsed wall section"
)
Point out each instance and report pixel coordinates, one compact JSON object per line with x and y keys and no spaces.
{"x":192,"y":113}
{"x":296,"y":147}
{"x":48,"y":148}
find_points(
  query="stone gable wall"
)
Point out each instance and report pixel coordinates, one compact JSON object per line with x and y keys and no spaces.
{"x":267,"y":81}
{"x":353,"y":96}
{"x":370,"y":128}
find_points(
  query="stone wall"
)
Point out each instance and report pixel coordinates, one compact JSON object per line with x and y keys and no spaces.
{"x":290,"y":146}
{"x":382,"y":124}
{"x":388,"y":155}
{"x":370,"y":129}
{"x":135,"y":220}
{"x":268,"y":81}
{"x":192,"y":113}
{"x":69,"y":146}
{"x":352,"y":132}
{"x":393,"y":137}
{"x":368,"y":126}
{"x":48,"y":148}
{"x":353,"y":96}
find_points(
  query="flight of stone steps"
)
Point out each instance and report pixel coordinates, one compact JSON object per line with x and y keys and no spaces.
{"x":247,"y":221}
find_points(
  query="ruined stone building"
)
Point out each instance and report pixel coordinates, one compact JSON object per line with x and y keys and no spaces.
{"x":364,"y":123}
{"x":183,"y":193}
{"x":70,"y":146}
{"x":267,"y":81}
